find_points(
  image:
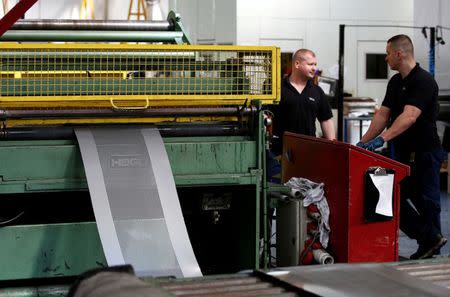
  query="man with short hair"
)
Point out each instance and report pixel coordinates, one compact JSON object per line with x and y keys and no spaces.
{"x":302,"y":102}
{"x":410,"y":107}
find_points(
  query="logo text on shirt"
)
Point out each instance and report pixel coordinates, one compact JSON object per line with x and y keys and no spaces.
{"x":312,"y":99}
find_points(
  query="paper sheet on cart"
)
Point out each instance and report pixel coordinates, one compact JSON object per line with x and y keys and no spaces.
{"x":135,"y":202}
{"x":384,"y":185}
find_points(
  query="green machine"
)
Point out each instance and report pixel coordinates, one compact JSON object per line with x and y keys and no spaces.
{"x":206,"y":101}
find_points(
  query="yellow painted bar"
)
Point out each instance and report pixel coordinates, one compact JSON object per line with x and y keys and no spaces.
{"x":162,"y":102}
{"x":134,"y":46}
{"x":55,"y":122}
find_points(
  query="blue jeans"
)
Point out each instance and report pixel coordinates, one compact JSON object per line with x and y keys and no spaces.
{"x":273,"y":168}
{"x":423,"y":190}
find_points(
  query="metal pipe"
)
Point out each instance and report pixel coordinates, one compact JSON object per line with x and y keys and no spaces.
{"x":34,"y":133}
{"x":432,"y":54}
{"x":203,"y":130}
{"x":340,"y":89}
{"x":64,"y":132}
{"x":93,"y":36}
{"x":98,"y":25}
{"x":109,"y":112}
{"x":322,"y":257}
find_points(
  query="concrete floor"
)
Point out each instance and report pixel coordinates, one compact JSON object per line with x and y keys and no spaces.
{"x":409,"y":246}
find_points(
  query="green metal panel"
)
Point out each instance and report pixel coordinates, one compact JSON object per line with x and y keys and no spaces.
{"x":56,"y":165}
{"x":38,"y":251}
{"x":260,"y":187}
{"x":58,"y":62}
{"x":69,"y":249}
{"x":189,"y":156}
{"x":96,"y":86}
{"x":219,"y":179}
{"x":176,"y":19}
{"x":51,"y":185}
{"x":28,"y":160}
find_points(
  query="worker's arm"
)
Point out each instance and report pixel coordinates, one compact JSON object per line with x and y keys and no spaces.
{"x":405,"y":120}
{"x":328,"y":129}
{"x":377,"y":125}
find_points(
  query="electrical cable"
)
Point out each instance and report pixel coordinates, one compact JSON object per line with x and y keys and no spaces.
{"x":439,"y":35}
{"x":308,"y":247}
{"x":5,"y":222}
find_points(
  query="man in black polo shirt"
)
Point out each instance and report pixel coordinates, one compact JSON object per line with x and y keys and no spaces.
{"x":302,"y":102}
{"x":411,"y":107}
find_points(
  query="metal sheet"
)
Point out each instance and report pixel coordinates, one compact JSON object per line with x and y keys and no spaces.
{"x":100,"y":203}
{"x":170,"y":204}
{"x":357,"y":280}
{"x":135,"y":200}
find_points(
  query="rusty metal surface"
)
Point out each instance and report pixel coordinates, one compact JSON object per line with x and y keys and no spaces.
{"x":346,"y":280}
{"x":225,"y":286}
{"x":409,"y":279}
{"x":436,"y":273}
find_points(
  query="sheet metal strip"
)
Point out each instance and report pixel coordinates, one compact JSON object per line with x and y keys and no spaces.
{"x":100,"y":203}
{"x":170,"y":204}
{"x":142,"y":200}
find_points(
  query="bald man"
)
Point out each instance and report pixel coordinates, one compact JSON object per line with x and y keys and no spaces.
{"x":409,"y":110}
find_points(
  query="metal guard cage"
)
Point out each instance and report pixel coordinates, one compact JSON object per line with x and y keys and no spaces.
{"x":136,"y":76}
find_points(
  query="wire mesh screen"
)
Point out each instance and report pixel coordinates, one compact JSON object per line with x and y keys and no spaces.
{"x":124,"y":72}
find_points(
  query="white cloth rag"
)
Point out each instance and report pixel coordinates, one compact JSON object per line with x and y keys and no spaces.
{"x":314,"y":193}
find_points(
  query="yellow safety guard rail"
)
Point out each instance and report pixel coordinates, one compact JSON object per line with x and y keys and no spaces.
{"x":136,"y":76}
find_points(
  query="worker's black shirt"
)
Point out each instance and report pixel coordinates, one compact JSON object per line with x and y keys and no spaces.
{"x":298,"y":111}
{"x":419,"y":89}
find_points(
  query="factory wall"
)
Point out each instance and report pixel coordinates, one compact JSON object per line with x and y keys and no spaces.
{"x":61,"y":9}
{"x":208,"y":21}
{"x":292,"y":24}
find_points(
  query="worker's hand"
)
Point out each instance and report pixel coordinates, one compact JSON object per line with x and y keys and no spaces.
{"x":374,"y":144}
{"x":361,"y":144}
